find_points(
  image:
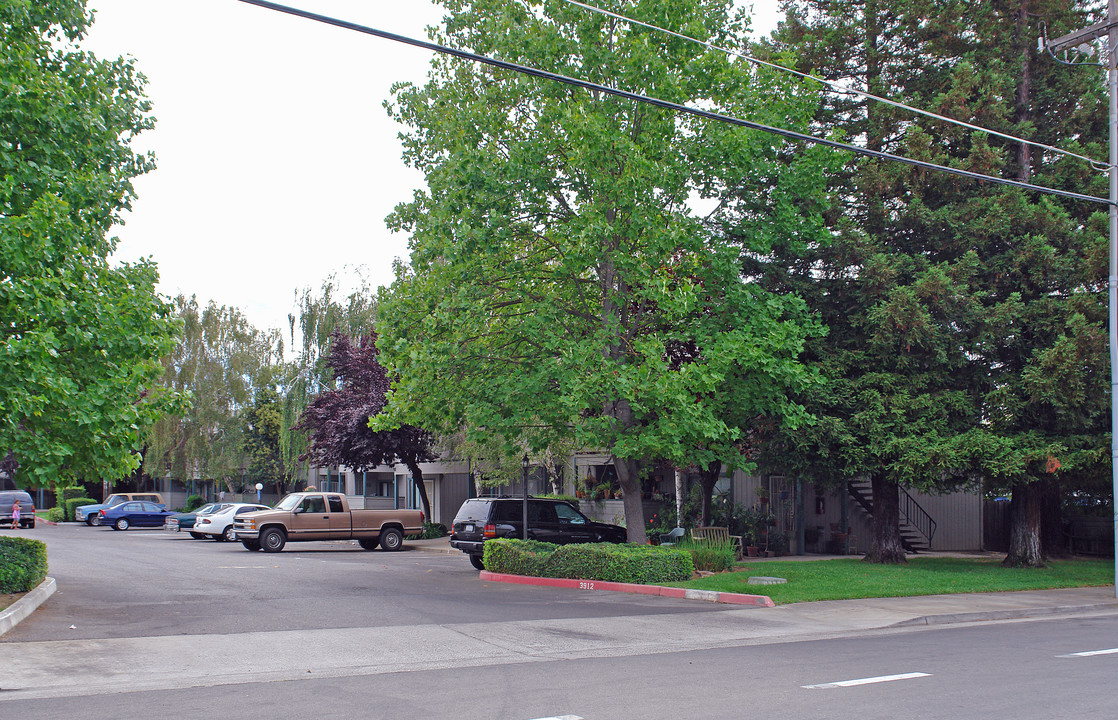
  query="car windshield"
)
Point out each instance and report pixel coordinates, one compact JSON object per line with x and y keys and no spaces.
{"x":114,"y":500}
{"x":213,"y":507}
{"x":289,"y":502}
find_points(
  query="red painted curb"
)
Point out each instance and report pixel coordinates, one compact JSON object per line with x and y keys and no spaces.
{"x":707,"y":595}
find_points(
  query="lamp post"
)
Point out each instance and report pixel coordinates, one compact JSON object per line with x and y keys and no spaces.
{"x":1109,"y":29}
{"x":524,"y":482}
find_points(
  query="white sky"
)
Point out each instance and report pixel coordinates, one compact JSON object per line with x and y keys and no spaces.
{"x":277,"y":163}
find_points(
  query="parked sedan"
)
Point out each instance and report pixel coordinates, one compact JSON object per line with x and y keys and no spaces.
{"x":219,"y":525}
{"x":135,"y":513}
{"x":186,"y":520}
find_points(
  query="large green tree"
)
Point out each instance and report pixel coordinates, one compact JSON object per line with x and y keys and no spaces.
{"x":80,"y":338}
{"x":559,"y":263}
{"x":952,"y":305}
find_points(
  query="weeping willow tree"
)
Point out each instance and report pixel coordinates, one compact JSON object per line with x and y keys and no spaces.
{"x":316,"y":318}
{"x":219,"y":363}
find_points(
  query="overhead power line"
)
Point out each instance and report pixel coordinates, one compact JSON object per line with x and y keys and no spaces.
{"x":657,"y":102}
{"x":837,"y":86}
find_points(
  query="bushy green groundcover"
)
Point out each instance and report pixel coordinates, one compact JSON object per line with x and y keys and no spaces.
{"x":23,"y":564}
{"x":628,"y":563}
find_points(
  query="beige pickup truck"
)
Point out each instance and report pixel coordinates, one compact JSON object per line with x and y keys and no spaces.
{"x":304,"y":516}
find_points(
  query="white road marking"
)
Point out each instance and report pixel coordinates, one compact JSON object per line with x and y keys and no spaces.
{"x":1089,"y":653}
{"x":560,"y":717}
{"x":867,"y":681}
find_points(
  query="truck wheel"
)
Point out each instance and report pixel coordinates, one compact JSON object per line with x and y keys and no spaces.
{"x":477,"y":561}
{"x":272,"y":540}
{"x":251,"y":544}
{"x":368,"y":544}
{"x":89,"y":520}
{"x":121,"y":524}
{"x":391,"y":539}
{"x":93,"y":519}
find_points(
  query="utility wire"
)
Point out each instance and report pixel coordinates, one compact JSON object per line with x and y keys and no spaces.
{"x":837,"y":86}
{"x":657,"y":102}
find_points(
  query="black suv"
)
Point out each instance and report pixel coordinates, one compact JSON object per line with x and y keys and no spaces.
{"x":553,"y":521}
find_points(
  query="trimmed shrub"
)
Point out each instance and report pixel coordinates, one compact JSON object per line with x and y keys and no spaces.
{"x":193,"y":502}
{"x":628,"y":563}
{"x":517,"y":557}
{"x":710,"y":556}
{"x":23,"y":564}
{"x":75,"y":503}
{"x":56,"y":514}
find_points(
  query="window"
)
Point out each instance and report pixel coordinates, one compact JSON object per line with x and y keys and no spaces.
{"x":568,"y":515}
{"x":336,"y":504}
{"x":376,"y":484}
{"x":314,"y":504}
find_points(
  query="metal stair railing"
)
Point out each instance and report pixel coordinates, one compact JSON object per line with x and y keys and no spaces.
{"x":917,"y":516}
{"x":912,"y":514}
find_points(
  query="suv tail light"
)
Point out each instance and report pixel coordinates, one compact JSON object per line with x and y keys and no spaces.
{"x":422,"y":519}
{"x":490,"y":530}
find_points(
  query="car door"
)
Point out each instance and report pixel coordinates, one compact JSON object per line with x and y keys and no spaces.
{"x":146,"y":514}
{"x":130,"y":511}
{"x":312,"y":522}
{"x":340,"y":520}
{"x":543,"y":524}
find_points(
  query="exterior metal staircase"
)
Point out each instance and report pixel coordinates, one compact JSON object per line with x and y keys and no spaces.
{"x":917,"y":526}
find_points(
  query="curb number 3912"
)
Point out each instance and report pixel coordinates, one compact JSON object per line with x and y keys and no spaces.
{"x":586,"y":586}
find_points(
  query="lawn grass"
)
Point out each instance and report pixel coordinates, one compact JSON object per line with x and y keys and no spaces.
{"x":845,"y":579}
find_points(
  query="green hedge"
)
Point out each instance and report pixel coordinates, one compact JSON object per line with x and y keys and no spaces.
{"x":56,"y":514}
{"x":194,"y":502}
{"x":23,"y":564}
{"x":75,"y":503}
{"x":628,"y":563}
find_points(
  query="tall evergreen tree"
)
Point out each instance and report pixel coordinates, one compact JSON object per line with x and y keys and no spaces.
{"x":950,"y":303}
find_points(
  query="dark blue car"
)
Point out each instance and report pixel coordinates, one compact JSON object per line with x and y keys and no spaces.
{"x":135,"y":513}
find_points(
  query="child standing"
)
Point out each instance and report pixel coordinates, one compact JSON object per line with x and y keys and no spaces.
{"x":15,"y":515}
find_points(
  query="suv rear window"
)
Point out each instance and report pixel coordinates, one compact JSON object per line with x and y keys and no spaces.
{"x":475,"y":511}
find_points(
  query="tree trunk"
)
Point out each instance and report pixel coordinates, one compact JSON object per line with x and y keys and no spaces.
{"x":708,"y":478}
{"x":1024,"y":528}
{"x":417,"y":476}
{"x":679,"y":491}
{"x":628,"y":476}
{"x":886,"y":547}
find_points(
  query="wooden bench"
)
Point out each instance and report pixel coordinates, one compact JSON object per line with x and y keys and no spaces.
{"x":714,"y":535}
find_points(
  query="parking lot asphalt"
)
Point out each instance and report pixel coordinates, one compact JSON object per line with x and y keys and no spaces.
{"x":832,"y":615}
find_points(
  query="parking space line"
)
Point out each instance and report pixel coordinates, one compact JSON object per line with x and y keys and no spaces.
{"x":867,"y":681}
{"x":1089,"y":653}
